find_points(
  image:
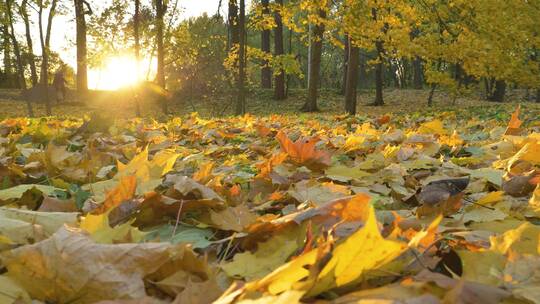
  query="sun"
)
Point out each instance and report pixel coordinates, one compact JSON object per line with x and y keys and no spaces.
{"x":117,"y":73}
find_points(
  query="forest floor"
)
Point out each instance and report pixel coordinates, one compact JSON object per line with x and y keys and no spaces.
{"x":401,"y":204}
{"x":259,"y":102}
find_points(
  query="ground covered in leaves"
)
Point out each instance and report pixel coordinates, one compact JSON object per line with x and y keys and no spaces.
{"x":409,"y":208}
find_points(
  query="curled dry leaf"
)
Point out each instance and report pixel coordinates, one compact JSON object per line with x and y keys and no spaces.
{"x":70,"y":267}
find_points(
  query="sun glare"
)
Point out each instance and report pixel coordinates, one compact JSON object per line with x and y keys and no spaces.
{"x":118,"y":72}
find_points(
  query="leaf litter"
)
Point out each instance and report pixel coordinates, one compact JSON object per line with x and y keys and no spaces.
{"x":439,"y":208}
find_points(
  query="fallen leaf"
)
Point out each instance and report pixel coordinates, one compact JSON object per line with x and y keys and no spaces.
{"x":364,"y":250}
{"x":303,"y":150}
{"x":232,"y":218}
{"x":101,"y":232}
{"x":49,"y":221}
{"x":17,"y":191}
{"x":11,"y":292}
{"x":265,"y":259}
{"x":125,"y":190}
{"x":70,"y":267}
{"x":432,"y":127}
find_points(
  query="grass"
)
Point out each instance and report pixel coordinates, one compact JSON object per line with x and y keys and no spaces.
{"x":260,"y":102}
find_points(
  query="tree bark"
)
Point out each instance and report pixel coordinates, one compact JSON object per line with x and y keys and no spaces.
{"x":45,"y":43}
{"x":345,"y":69}
{"x":431,"y":94}
{"x":234,"y":34}
{"x":279,"y":88}
{"x":16,"y":50}
{"x":7,"y":52}
{"x":29,"y":43}
{"x":288,"y":76}
{"x":352,"y":79}
{"x":417,"y":73}
{"x":498,"y":93}
{"x":136,"y":21}
{"x":241,"y":101}
{"x":82,"y":66}
{"x":160,"y":14}
{"x":379,"y":80}
{"x":316,"y":43}
{"x":266,"y":71}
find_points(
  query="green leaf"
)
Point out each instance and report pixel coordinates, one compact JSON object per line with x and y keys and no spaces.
{"x":17,"y":191}
{"x":198,"y":238}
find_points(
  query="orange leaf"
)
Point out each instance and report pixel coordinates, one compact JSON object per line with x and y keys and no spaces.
{"x":263,"y":131}
{"x":268,"y":165}
{"x":235,"y":190}
{"x":204,"y":173}
{"x":303,"y":150}
{"x":535,"y":180}
{"x":125,"y":190}
{"x":276,"y":196}
{"x":514,"y":124}
{"x":350,"y":209}
{"x":383,"y":119}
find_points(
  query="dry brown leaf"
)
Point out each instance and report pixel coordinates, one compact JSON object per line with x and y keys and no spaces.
{"x":70,"y":267}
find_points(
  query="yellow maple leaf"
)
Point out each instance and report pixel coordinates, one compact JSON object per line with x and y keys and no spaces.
{"x":364,"y":250}
{"x":145,"y":170}
{"x":432,"y":127}
{"x":100,"y":231}
{"x":263,"y":261}
{"x":491,"y":198}
{"x":523,"y":240}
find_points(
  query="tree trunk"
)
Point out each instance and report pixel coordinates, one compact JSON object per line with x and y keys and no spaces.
{"x":29,"y":43}
{"x":137,"y":37}
{"x":434,"y":85}
{"x":499,"y":91}
{"x":234,"y":34}
{"x":288,"y":79}
{"x":352,"y":79}
{"x":241,"y":101}
{"x":279,"y":88}
{"x":345,"y":69}
{"x":363,"y":74}
{"x":417,"y":73}
{"x":82,"y":67}
{"x":379,"y":80}
{"x":160,"y":14}
{"x":431,"y":93}
{"x":7,"y":53}
{"x":316,"y":43}
{"x":16,"y":50}
{"x":45,"y":39}
{"x":266,"y":71}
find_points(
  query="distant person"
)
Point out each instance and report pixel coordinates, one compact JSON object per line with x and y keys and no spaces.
{"x":59,"y":84}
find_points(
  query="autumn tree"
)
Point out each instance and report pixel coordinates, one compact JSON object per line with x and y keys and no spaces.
{"x":161,"y":8}
{"x":45,"y":41}
{"x":29,"y":55}
{"x":352,"y":78}
{"x":266,"y":71}
{"x":137,"y":50}
{"x":279,"y":83}
{"x":317,"y":11}
{"x":82,"y":65}
{"x":241,"y":99}
{"x":16,"y":48}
